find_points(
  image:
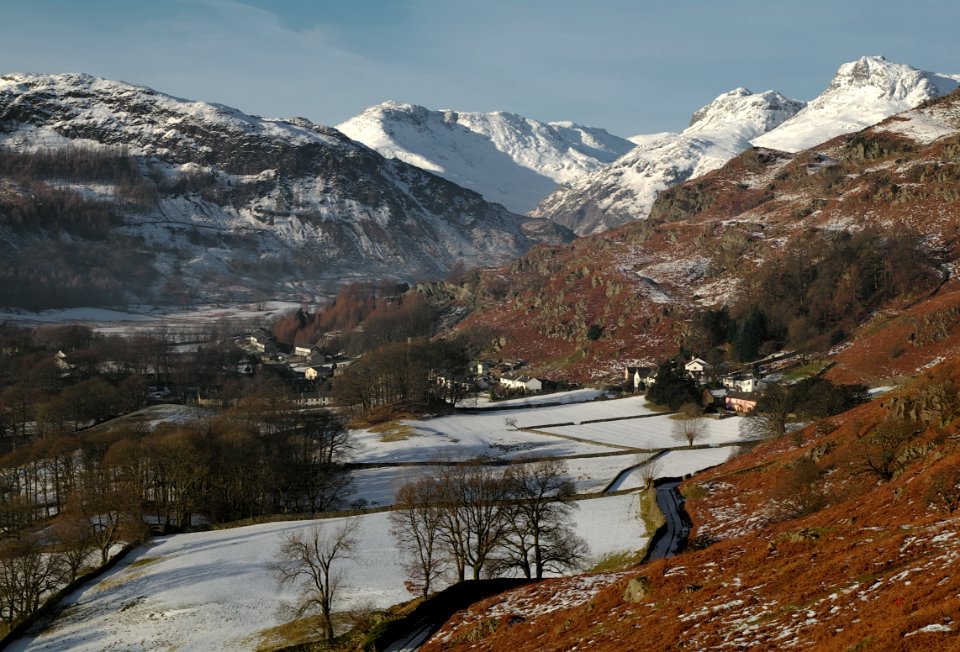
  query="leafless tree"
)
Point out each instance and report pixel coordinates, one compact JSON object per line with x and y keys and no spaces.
{"x":650,"y":468}
{"x":27,"y":573}
{"x":416,"y":526}
{"x":769,"y":419}
{"x":307,"y":561}
{"x":798,"y":491}
{"x":74,"y":539}
{"x":689,"y":425}
{"x":473,"y":521}
{"x":881,"y":451}
{"x":539,"y":537}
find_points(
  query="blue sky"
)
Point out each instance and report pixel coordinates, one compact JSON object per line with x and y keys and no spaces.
{"x":629,"y":66}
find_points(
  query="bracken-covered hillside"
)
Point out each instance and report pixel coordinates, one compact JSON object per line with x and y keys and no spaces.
{"x":842,"y":536}
{"x":710,"y":241}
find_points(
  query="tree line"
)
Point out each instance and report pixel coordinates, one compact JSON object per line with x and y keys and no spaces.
{"x":67,"y":497}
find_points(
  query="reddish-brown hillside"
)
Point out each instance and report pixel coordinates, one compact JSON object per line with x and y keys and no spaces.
{"x":706,"y":238}
{"x":800,"y":546}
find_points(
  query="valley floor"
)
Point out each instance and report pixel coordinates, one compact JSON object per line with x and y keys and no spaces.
{"x":214,"y":590}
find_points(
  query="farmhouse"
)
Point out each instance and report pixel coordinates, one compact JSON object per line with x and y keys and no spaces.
{"x":640,"y":376}
{"x":698,"y":369}
{"x":522,"y":382}
{"x":742,"y":402}
{"x":742,"y":383}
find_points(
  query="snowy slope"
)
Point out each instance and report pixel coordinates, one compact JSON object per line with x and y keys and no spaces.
{"x":862,"y":93}
{"x":246,"y":206}
{"x":507,"y":158}
{"x":627,"y":188}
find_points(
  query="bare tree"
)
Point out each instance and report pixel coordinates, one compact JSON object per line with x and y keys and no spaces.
{"x":473,"y":521}
{"x":881,"y":452}
{"x":415,"y":524}
{"x":769,"y":419}
{"x":539,"y":537}
{"x":75,"y":540}
{"x":28,"y":572}
{"x":307,"y":559}
{"x":650,"y":468}
{"x":798,"y":491}
{"x":689,"y":425}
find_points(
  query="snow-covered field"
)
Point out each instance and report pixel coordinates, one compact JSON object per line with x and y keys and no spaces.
{"x":650,"y":433}
{"x":214,"y":591}
{"x":573,"y":396}
{"x":495,"y":434}
{"x":679,"y":463}
{"x":149,"y":317}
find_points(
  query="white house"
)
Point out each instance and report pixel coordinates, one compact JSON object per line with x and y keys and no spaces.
{"x":302,"y":351}
{"x":517,"y":381}
{"x":742,"y":383}
{"x":637,"y":376}
{"x":698,"y":369}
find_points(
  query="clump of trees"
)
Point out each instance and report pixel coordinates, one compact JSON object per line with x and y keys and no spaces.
{"x":813,"y":295}
{"x":809,"y":399}
{"x":406,"y":376}
{"x":470,"y":521}
{"x":673,"y":386}
{"x":387,"y":311}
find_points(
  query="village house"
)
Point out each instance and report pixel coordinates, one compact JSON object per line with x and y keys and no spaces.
{"x":698,"y":369}
{"x":639,"y":377}
{"x":741,"y":402}
{"x":521,"y":382}
{"x":746,"y":383}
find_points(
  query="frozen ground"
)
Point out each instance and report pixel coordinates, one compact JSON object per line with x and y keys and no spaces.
{"x":574,"y":396}
{"x":212,"y":590}
{"x":649,"y":433}
{"x":149,"y":317}
{"x":679,"y":463}
{"x":495,"y":434}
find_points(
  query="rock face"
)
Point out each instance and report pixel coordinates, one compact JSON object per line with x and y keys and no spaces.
{"x":234,"y":205}
{"x":507,"y":158}
{"x":626,"y":189}
{"x":861,"y":94}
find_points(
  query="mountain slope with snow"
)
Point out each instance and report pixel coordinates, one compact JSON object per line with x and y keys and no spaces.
{"x":223,"y":205}
{"x":627,"y":188}
{"x":861,"y":94}
{"x":509,"y":159}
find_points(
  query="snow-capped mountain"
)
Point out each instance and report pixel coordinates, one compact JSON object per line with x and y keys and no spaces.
{"x":862,"y":93}
{"x":228,"y":204}
{"x":627,"y":188}
{"x":507,"y":158}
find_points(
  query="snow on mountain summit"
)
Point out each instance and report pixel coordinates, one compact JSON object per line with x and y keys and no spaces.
{"x":862,"y":93}
{"x":507,"y":158}
{"x":627,"y":188}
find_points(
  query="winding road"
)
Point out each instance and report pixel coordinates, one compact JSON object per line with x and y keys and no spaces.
{"x":669,"y":539}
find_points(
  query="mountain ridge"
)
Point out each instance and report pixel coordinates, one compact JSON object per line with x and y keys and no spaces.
{"x":862,"y":93}
{"x":507,"y":158}
{"x":235,"y":204}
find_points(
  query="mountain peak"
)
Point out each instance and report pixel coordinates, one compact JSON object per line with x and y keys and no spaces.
{"x":893,"y":80}
{"x":861,"y":93}
{"x":764,"y":110}
{"x":506,"y":157}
